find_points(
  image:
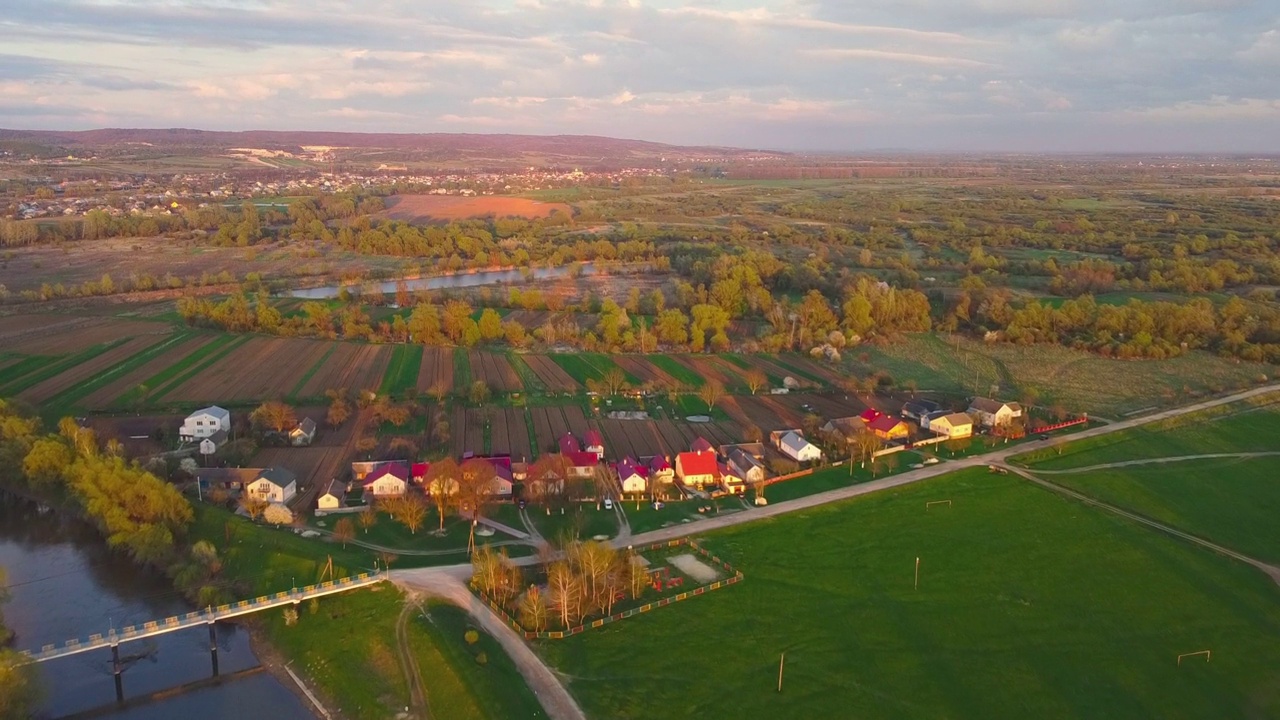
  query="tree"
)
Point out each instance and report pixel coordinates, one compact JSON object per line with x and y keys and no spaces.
{"x":756,"y":379}
{"x":277,"y":514}
{"x":710,"y":393}
{"x":533,"y":609}
{"x":411,"y":511}
{"x":274,"y":416}
{"x":613,"y":381}
{"x":475,"y":485}
{"x":20,"y":693}
{"x":478,"y":393}
{"x":343,"y":531}
{"x":565,"y":589}
{"x":442,"y":485}
{"x":490,"y":325}
{"x":253,"y":506}
{"x":367,"y":518}
{"x":47,"y":460}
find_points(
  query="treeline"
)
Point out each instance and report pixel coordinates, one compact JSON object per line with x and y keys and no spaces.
{"x":137,"y":513}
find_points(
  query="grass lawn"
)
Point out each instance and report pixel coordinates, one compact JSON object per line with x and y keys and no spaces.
{"x":672,"y":513}
{"x":578,"y":367}
{"x":668,"y":365}
{"x":837,"y":477}
{"x":1239,"y":427}
{"x":390,"y":533}
{"x":1029,"y":605}
{"x":461,"y":371}
{"x":1079,"y":381}
{"x":402,"y":370}
{"x":1232,"y":502}
{"x":582,"y":521}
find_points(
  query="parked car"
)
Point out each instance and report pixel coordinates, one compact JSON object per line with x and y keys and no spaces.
{"x":608,"y":503}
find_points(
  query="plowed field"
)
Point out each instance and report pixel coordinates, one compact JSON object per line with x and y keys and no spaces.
{"x":495,"y":371}
{"x":644,"y":370}
{"x":103,"y":397}
{"x":509,"y":434}
{"x":443,"y":208}
{"x":42,"y":391}
{"x":351,"y":366}
{"x":551,"y":374}
{"x":436,"y":370}
{"x":60,"y":335}
{"x":261,"y":369}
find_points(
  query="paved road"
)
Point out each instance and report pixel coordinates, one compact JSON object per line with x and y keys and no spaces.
{"x":1154,"y":461}
{"x":449,"y":582}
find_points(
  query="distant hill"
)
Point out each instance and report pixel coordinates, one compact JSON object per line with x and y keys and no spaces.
{"x":435,"y":145}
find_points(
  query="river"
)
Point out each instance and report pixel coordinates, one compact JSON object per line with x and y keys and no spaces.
{"x":65,"y":584}
{"x":450,"y":281}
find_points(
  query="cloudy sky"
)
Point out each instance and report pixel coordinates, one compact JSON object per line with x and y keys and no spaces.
{"x":1114,"y":75}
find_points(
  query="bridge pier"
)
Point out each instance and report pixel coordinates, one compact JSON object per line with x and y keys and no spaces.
{"x":117,"y":670}
{"x":213,"y":649}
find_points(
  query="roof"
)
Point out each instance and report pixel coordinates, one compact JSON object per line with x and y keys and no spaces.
{"x":394,"y":469}
{"x":725,"y":471}
{"x":336,"y":488}
{"x":213,"y":410}
{"x":696,"y":463}
{"x":743,"y":459}
{"x":848,"y":426}
{"x":281,"y":477}
{"x":659,"y":463}
{"x":420,"y":469}
{"x":217,"y":438}
{"x":700,"y":445}
{"x":583,"y":459}
{"x":569,"y":444}
{"x":593,"y":438}
{"x":920,"y":407}
{"x":629,"y":467}
{"x":991,"y":407}
{"x":793,"y":442}
{"x":307,"y":426}
{"x":885,"y":423}
{"x":227,"y":475}
{"x":954,"y":419}
{"x":870,"y":414}
{"x":753,"y":449}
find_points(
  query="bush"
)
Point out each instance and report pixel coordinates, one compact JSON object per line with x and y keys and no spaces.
{"x":482,"y":659}
{"x":472,"y":637}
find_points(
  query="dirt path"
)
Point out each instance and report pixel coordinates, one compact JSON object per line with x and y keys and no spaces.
{"x":534,"y":535}
{"x":409,"y":664}
{"x":1271,"y":570}
{"x":449,"y":585}
{"x":409,"y":551}
{"x":1151,"y":461}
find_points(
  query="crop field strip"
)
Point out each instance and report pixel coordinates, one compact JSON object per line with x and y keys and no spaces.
{"x":296,"y":392}
{"x":81,"y":334}
{"x":462,"y":372}
{"x":683,"y":373}
{"x":815,"y":370}
{"x":458,"y":428}
{"x":552,"y":375}
{"x":36,"y":370}
{"x":494,"y":370}
{"x":402,"y":370}
{"x":351,"y":366}
{"x":436,"y":370}
{"x":576,"y":367}
{"x":640,"y":367}
{"x":38,"y":393}
{"x":171,"y":377}
{"x":259,"y":366}
{"x":108,"y":378}
{"x":102,"y":397}
{"x":528,"y":378}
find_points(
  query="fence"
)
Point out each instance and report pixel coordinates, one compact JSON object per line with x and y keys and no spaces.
{"x":735,"y":578}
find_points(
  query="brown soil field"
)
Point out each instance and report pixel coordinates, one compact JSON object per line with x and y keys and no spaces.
{"x":773,"y":368}
{"x":816,"y":368}
{"x":828,"y":405}
{"x":436,"y":369}
{"x":43,"y":391}
{"x":351,"y":366}
{"x":646,"y":371}
{"x":61,"y":335}
{"x":135,"y":431}
{"x":495,"y":371}
{"x":764,"y":412}
{"x":509,"y":434}
{"x":576,"y":419}
{"x":313,"y":465}
{"x":102,"y":398}
{"x":443,"y":208}
{"x":261,"y":369}
{"x":730,"y":372}
{"x":550,"y":426}
{"x":551,"y":374}
{"x":705,"y":369}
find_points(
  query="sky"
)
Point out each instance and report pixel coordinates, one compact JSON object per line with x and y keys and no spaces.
{"x":837,"y":75}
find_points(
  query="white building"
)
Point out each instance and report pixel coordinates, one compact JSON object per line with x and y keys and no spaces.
{"x":275,"y":485}
{"x":210,"y":445}
{"x":794,"y":446}
{"x":203,"y":423}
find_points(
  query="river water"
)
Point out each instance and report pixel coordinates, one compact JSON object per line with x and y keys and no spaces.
{"x":65,"y":584}
{"x":449,"y":282}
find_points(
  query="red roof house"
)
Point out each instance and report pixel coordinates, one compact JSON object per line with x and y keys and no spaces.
{"x":697,"y":468}
{"x":594,"y":443}
{"x":869,"y":415}
{"x":701,"y":445}
{"x":569,"y":444}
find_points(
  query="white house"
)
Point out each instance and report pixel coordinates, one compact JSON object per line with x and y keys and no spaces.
{"x":203,"y":423}
{"x":334,"y":497}
{"x":390,"y":480}
{"x":953,"y":425}
{"x":210,"y":445}
{"x":594,"y":443}
{"x":794,"y":446}
{"x":632,"y":477}
{"x":276,"y":485}
{"x":304,"y":433}
{"x":993,"y":413}
{"x":744,"y":465}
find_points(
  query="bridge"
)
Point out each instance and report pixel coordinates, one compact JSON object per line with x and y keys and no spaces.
{"x":113,"y":638}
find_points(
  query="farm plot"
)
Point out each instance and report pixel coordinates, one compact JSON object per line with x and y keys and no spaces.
{"x":551,"y":374}
{"x":576,"y":419}
{"x":826,"y":405}
{"x":261,"y":368}
{"x":104,"y":396}
{"x":436,"y":370}
{"x":308,"y":463}
{"x":82,"y":334}
{"x":495,"y":371}
{"x":351,"y":366}
{"x":767,"y":413}
{"x":774,"y":370}
{"x":707,"y":370}
{"x":475,"y":432}
{"x":509,"y":434}
{"x":549,"y":425}
{"x":812,"y":368}
{"x":671,"y":438}
{"x":732,"y":374}
{"x":682,"y":372}
{"x":42,"y":391}
{"x":644,"y":371}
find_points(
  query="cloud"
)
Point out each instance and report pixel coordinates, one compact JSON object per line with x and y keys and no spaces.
{"x":892,"y":56}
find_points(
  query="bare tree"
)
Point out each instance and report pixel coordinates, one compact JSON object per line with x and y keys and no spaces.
{"x":756,"y":379}
{"x":274,"y":416}
{"x":253,"y":506}
{"x":367,"y":518}
{"x":412,"y":511}
{"x":442,"y":484}
{"x":475,"y":485}
{"x":533,"y":609}
{"x":711,"y":392}
{"x":343,"y":531}
{"x":565,"y":589}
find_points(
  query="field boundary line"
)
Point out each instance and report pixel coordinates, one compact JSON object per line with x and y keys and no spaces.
{"x":1155,"y":461}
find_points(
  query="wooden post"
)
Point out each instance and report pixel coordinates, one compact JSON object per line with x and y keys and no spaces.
{"x":213,"y":649}
{"x":917,"y":573}
{"x":781,"y":660}
{"x":116,"y":669}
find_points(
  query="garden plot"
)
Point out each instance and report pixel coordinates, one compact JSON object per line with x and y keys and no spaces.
{"x":351,"y":366}
{"x":106,"y":395}
{"x":261,"y":369}
{"x":436,"y":371}
{"x":551,"y":374}
{"x":690,"y":565}
{"x":42,"y":391}
{"x":495,"y":371}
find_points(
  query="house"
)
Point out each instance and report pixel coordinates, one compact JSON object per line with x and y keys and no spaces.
{"x":775,"y":436}
{"x":754,"y":449}
{"x":746,"y":466}
{"x":275,"y":485}
{"x":953,"y":425}
{"x":869,"y":415}
{"x":362,"y":469}
{"x":633,"y":477}
{"x":418,"y":471}
{"x":230,"y":479}
{"x":660,"y":469}
{"x":569,"y":445}
{"x":732,"y":482}
{"x":918,"y":409}
{"x":304,"y":433}
{"x":701,"y":445}
{"x":794,"y":446}
{"x":888,"y":427}
{"x":848,"y":428}
{"x":582,"y":464}
{"x":389,"y":480}
{"x":501,"y":485}
{"x":334,"y":497}
{"x":595,"y":443}
{"x":210,"y":445}
{"x":993,"y":413}
{"x":696,"y":468}
{"x":203,"y":423}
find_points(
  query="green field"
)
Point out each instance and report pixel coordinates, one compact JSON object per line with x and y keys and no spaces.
{"x":402,"y":371}
{"x":579,"y":366}
{"x":1079,"y":381}
{"x":668,"y":365}
{"x":582,"y":521}
{"x":50,"y":367}
{"x":1029,"y":605}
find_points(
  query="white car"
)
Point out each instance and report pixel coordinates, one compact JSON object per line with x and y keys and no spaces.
{"x":608,"y":503}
